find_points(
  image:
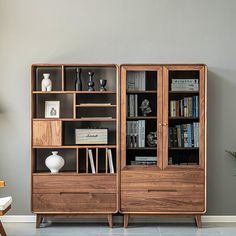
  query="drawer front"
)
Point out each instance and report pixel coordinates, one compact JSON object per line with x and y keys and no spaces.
{"x":73,"y":183}
{"x":74,"y":202}
{"x":163,"y":191}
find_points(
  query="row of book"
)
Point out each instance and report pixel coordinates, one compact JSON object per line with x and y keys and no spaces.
{"x":184,"y":135}
{"x":135,"y":133}
{"x":186,"y":107}
{"x":110,"y":161}
{"x":132,"y":105}
{"x":144,"y":160}
{"x":184,"y":85}
{"x":136,"y":80}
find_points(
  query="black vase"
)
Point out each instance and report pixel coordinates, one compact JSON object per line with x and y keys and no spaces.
{"x":78,"y":82}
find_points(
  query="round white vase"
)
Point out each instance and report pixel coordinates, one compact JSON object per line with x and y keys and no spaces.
{"x":46,"y":82}
{"x":54,"y":162}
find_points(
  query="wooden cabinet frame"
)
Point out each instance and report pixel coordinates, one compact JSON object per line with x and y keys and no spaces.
{"x":145,"y":183}
{"x":47,"y":134}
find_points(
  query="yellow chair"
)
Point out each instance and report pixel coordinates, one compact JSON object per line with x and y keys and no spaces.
{"x":5,"y":206}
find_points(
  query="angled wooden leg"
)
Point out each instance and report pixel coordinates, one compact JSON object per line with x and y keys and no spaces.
{"x":110,"y":220}
{"x":198,"y":221}
{"x":126,"y":220}
{"x":39,"y":220}
{"x":2,"y":231}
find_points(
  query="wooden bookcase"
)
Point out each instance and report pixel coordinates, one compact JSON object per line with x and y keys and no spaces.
{"x":174,"y":184}
{"x":74,"y":191}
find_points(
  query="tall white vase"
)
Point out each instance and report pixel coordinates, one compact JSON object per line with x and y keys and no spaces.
{"x":54,"y":162}
{"x":46,"y":83}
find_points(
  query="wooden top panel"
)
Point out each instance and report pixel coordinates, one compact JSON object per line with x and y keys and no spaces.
{"x":82,"y":65}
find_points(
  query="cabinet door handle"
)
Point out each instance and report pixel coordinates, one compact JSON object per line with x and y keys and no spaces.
{"x":165,"y":124}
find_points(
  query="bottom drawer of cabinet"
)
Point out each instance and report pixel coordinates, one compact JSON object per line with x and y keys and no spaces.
{"x":74,"y":202}
{"x":161,"y":201}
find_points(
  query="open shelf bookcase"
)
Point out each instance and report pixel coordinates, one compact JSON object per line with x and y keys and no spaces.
{"x":75,"y":190}
{"x":166,"y":178}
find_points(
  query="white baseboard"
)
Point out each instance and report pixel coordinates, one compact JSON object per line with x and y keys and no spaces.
{"x":19,"y":218}
{"x":205,"y":219}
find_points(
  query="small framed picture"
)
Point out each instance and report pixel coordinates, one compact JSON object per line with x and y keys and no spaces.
{"x":52,"y":109}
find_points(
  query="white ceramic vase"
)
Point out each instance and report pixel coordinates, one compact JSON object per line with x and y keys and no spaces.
{"x":54,"y":162}
{"x":46,"y":83}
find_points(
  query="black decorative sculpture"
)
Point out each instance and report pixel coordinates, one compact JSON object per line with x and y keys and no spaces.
{"x":78,"y":82}
{"x":152,"y":139}
{"x":103,"y":83}
{"x":145,"y":107}
{"x":90,"y":82}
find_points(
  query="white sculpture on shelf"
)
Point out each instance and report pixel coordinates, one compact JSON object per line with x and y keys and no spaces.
{"x":46,"y":83}
{"x":54,"y":162}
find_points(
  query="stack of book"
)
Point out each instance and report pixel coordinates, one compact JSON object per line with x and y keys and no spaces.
{"x":184,"y":85}
{"x":136,"y":80}
{"x":110,"y":161}
{"x":184,"y":135}
{"x":144,"y":160}
{"x":135,"y":131}
{"x":186,"y":107}
{"x":132,"y":105}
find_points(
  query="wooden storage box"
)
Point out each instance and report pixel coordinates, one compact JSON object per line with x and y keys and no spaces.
{"x":91,"y":136}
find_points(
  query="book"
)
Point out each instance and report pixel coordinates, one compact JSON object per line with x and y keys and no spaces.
{"x":184,"y":85}
{"x":145,"y":158}
{"x":90,"y":153}
{"x":110,"y":161}
{"x":143,"y":162}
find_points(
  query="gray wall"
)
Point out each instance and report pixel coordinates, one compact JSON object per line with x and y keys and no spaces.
{"x":111,"y":31}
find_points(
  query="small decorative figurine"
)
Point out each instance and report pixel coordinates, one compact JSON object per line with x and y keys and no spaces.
{"x":54,"y":162}
{"x":46,"y":83}
{"x":152,"y":139}
{"x":102,"y":84}
{"x":78,"y":82}
{"x":91,"y":83}
{"x":145,"y":107}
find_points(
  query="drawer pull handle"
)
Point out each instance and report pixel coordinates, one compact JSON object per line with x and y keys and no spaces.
{"x":162,"y":190}
{"x":75,"y":193}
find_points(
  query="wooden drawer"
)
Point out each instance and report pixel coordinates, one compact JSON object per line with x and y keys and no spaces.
{"x":74,"y":202}
{"x":162,"y":191}
{"x":74,"y":183}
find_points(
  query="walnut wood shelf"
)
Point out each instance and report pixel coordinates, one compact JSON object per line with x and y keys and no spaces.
{"x":183,"y":92}
{"x":72,"y":92}
{"x":96,"y":105}
{"x":142,"y":118}
{"x":77,"y":146}
{"x":78,"y":191}
{"x":72,"y":173}
{"x":183,"y":149}
{"x":139,"y":91}
{"x":141,"y":148}
{"x":183,"y":118}
{"x":102,"y":119}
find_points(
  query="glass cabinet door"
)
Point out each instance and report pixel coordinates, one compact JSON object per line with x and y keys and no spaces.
{"x":141,"y":116}
{"x":183,"y":116}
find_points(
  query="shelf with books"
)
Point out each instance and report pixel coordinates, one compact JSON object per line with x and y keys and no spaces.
{"x":96,"y":160}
